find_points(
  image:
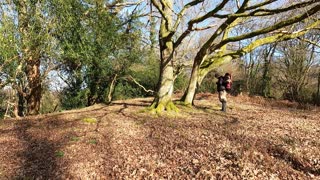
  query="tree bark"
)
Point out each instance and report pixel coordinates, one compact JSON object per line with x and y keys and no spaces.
{"x":266,"y":78}
{"x":111,"y":89}
{"x":163,"y":99}
{"x":193,"y":85}
{"x":21,"y":101}
{"x":34,"y":81}
{"x":28,"y":29}
{"x":318,"y":91}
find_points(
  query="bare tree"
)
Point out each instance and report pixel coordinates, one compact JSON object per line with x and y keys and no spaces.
{"x":297,"y":58}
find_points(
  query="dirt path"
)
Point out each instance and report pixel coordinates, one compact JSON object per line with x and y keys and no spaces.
{"x":252,"y":141}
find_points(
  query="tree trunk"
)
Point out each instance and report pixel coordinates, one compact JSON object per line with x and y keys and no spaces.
{"x":318,"y":90}
{"x":193,"y":85}
{"x":29,"y":31}
{"x":163,"y":99}
{"x":34,"y":81}
{"x":266,"y":79}
{"x":21,"y":101}
{"x":111,"y":89}
{"x":198,"y":74}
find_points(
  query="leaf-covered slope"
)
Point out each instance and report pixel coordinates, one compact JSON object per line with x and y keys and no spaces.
{"x":255,"y":139}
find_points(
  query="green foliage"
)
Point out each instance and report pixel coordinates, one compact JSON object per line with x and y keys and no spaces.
{"x":209,"y":83}
{"x":127,"y":90}
{"x":74,"y":99}
{"x":97,"y":46}
{"x":8,"y":50}
{"x":146,"y":72}
{"x":50,"y":102}
{"x":181,"y":82}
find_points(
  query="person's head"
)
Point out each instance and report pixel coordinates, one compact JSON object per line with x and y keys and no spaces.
{"x":228,"y":75}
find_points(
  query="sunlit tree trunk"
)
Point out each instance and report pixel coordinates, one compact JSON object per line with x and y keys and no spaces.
{"x":193,"y":85}
{"x":111,"y":89}
{"x":163,"y":99}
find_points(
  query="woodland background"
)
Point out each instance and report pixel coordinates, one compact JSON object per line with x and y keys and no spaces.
{"x":63,"y":54}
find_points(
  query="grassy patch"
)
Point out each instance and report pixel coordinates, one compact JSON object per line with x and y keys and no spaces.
{"x":93,"y":141}
{"x":90,"y":120}
{"x":288,"y":140}
{"x":172,"y":125}
{"x":141,"y":121}
{"x":74,"y":138}
{"x":59,"y":153}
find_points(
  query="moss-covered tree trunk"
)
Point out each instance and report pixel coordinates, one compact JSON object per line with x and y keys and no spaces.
{"x":163,"y":99}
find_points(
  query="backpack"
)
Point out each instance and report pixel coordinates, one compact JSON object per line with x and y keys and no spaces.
{"x":228,"y":83}
{"x":221,"y":84}
{"x":228,"y":86}
{"x":220,"y":81}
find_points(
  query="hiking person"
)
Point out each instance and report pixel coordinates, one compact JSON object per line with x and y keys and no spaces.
{"x":223,"y":85}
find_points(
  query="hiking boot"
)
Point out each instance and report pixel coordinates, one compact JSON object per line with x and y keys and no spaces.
{"x":224,"y":107}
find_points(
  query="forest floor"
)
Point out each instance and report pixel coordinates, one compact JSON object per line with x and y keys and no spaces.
{"x":255,"y":139}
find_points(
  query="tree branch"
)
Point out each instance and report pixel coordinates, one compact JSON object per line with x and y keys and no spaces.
{"x":137,"y":83}
{"x":212,"y":60}
{"x":181,"y":13}
{"x":203,"y":28}
{"x":158,"y":6}
{"x":197,"y":20}
{"x":126,"y":4}
{"x":207,"y":46}
{"x":276,"y":26}
{"x":264,"y":12}
{"x":267,"y":12}
{"x":260,"y":4}
{"x":309,"y":41}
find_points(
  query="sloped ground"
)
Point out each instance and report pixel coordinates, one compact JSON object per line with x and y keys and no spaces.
{"x":256,"y":139}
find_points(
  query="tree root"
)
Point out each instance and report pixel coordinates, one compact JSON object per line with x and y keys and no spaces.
{"x":159,"y":108}
{"x":182,"y":103}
